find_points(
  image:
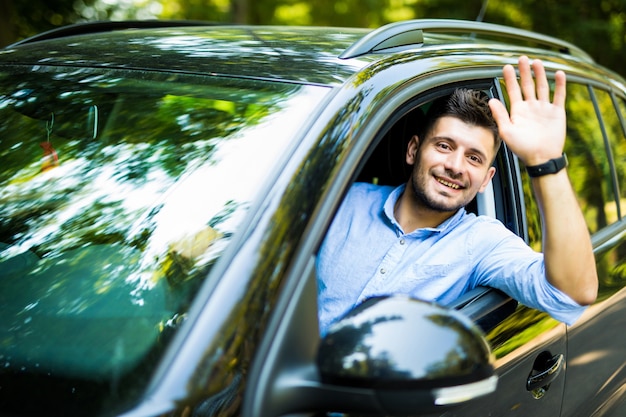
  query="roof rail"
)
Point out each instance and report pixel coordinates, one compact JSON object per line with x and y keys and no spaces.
{"x":106,"y":26}
{"x":411,"y":33}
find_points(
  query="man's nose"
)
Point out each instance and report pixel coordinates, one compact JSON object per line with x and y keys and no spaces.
{"x":454,"y":162}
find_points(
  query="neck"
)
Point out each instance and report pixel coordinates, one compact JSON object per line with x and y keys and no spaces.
{"x":412,"y":214}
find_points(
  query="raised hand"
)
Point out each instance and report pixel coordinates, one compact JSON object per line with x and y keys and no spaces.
{"x":535,"y":128}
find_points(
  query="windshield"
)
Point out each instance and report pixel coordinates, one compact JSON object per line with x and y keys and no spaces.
{"x":118,"y":193}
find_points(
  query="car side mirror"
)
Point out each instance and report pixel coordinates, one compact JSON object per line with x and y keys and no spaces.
{"x":413,"y":355}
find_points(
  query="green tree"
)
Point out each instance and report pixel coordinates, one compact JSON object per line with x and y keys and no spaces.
{"x":597,"y":27}
{"x":23,"y":18}
{"x":586,"y":23}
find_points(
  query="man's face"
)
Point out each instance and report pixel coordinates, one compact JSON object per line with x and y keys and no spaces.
{"x":450,"y":165}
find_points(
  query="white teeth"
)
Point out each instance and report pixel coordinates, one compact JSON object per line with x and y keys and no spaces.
{"x":449,"y":184}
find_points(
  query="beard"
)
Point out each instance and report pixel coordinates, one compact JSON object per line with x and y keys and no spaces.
{"x":421,"y":197}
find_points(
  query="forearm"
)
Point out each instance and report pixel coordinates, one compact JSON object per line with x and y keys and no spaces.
{"x":535,"y":131}
{"x":569,"y":259}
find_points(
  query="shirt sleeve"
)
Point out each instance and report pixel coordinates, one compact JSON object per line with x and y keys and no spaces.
{"x":504,"y":261}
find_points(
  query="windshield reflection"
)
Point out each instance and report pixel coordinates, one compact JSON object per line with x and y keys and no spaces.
{"x":118,"y":195}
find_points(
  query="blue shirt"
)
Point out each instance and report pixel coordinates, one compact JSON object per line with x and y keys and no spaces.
{"x":366,"y":253}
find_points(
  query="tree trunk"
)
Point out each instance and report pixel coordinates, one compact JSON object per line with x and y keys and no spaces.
{"x":8,"y":31}
{"x":238,"y":11}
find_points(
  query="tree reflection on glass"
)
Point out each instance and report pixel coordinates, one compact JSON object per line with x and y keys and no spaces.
{"x":118,"y":195}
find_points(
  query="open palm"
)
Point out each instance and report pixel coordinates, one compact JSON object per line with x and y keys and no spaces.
{"x":535,"y":128}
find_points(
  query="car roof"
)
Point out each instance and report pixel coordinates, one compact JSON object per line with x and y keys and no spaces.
{"x":298,"y":54}
{"x":309,"y":55}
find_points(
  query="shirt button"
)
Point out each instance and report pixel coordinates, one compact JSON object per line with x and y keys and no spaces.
{"x":382,"y":271}
{"x":402,"y":241}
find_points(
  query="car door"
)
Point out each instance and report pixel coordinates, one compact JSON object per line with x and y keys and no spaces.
{"x":595,"y":378}
{"x":596,"y":148}
{"x":529,"y":346}
{"x":526,"y":343}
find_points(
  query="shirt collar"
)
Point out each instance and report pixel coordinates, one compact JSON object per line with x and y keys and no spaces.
{"x":390,"y":204}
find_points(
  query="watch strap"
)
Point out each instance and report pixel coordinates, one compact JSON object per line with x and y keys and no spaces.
{"x":550,"y":167}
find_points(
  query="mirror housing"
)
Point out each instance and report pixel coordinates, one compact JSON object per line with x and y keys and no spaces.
{"x":414,"y":356}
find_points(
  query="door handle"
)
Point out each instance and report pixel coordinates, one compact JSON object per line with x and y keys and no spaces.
{"x":545,"y":370}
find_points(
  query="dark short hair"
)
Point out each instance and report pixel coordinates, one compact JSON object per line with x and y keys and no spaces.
{"x":469,"y":106}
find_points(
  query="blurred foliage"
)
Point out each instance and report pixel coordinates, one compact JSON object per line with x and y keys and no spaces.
{"x":586,"y":23}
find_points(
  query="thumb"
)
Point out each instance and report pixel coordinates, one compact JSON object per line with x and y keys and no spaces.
{"x":499,"y":112}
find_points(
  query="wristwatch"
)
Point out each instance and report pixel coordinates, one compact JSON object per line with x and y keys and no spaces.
{"x":551,"y":167}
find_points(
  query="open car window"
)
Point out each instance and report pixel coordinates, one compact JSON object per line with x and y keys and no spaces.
{"x":386,"y":165}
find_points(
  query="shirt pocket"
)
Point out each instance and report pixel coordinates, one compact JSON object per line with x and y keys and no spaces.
{"x":431,"y":280}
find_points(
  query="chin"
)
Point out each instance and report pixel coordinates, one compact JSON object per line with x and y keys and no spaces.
{"x":441,"y":206}
{"x":445,"y":204}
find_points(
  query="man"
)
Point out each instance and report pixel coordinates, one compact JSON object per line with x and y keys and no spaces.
{"x":418,"y":239}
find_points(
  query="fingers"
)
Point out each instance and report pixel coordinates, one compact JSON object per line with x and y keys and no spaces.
{"x":510,"y":81}
{"x":541,"y":81}
{"x":559,"y":89}
{"x":533,"y":82}
{"x":526,"y":79}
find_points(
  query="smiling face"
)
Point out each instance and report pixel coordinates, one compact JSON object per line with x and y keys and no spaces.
{"x":450,"y":165}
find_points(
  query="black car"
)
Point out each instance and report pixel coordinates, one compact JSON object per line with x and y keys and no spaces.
{"x":165,"y":190}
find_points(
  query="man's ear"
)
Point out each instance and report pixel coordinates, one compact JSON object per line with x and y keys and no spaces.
{"x":490,"y":173}
{"x":412,"y":149}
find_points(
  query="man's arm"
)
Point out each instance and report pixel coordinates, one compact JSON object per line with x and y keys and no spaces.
{"x":535,"y":132}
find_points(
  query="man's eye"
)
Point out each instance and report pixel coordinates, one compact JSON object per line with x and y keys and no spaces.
{"x":475,"y":159}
